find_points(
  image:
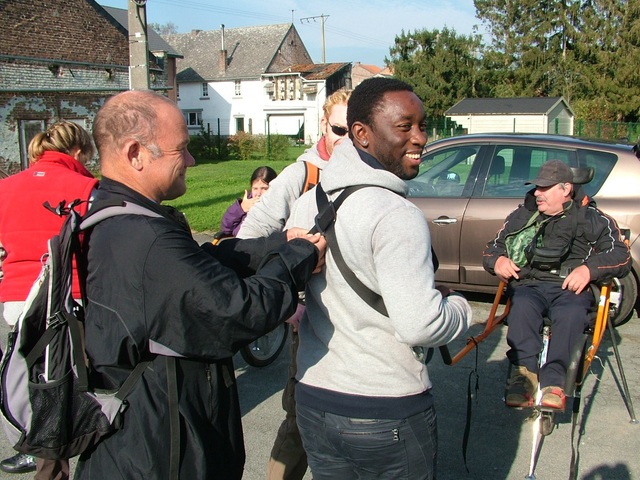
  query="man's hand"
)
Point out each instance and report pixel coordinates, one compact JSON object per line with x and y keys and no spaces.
{"x":294,"y":320}
{"x":297,"y":232}
{"x":505,"y":269}
{"x":577,"y":280}
{"x":446,"y":291}
{"x":321,"y":244}
{"x":317,"y":239}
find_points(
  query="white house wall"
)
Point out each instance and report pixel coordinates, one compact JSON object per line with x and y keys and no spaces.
{"x":222,"y":107}
{"x":564,"y":123}
{"x":502,"y":123}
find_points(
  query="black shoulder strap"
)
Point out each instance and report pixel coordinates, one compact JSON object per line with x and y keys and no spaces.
{"x":95,"y":215}
{"x":324,"y":224}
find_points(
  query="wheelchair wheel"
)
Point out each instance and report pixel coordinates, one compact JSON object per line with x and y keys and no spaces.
{"x":625,"y":311}
{"x":266,"y":349}
{"x":547,"y":422}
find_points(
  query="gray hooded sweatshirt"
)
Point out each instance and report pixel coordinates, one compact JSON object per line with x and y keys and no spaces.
{"x":346,"y":346}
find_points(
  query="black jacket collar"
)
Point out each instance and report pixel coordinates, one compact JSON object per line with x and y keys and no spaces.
{"x":109,"y":188}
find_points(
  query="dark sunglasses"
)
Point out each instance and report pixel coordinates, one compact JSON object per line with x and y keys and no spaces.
{"x":340,"y":131}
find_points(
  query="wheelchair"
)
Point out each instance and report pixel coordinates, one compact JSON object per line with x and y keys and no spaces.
{"x":608,"y":297}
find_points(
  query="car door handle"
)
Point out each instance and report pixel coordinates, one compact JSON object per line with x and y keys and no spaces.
{"x":444,"y":221}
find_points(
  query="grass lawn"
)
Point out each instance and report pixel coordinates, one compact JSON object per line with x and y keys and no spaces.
{"x":212,"y":187}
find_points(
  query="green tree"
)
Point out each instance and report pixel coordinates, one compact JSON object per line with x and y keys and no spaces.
{"x":584,"y":50}
{"x":442,"y":66}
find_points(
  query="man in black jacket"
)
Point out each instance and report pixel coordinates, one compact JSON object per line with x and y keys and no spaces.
{"x":548,"y":251}
{"x":154,"y":293}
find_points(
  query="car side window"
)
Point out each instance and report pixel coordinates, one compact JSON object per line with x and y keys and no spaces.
{"x":513,"y":165}
{"x":444,"y":174}
{"x":602,"y":164}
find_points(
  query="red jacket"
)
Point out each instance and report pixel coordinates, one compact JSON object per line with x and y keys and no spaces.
{"x":26,"y":226}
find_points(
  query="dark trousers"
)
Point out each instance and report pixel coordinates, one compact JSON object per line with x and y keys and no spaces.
{"x":343,"y":448}
{"x":51,"y":469}
{"x":288,"y":460}
{"x":569,"y":316}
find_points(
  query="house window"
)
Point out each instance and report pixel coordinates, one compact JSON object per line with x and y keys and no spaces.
{"x":28,"y":130}
{"x":238,"y":90}
{"x":205,"y":89}
{"x":193,"y":118}
{"x":240,"y":124}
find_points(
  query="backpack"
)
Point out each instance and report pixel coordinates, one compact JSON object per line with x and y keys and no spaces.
{"x":48,"y":407}
{"x":311,"y":176}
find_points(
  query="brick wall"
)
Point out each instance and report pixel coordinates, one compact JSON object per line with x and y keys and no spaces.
{"x":47,"y":107}
{"x":58,"y":59}
{"x":62,"y":29}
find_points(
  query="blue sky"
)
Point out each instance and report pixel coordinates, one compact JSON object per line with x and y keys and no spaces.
{"x":355,"y":30}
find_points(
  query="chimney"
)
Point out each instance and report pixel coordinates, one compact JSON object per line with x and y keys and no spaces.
{"x":195,"y":32}
{"x":222,"y":58}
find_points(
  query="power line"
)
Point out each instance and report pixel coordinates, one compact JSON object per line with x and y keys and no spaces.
{"x":321,"y":17}
{"x":193,"y":5}
{"x":229,"y":11}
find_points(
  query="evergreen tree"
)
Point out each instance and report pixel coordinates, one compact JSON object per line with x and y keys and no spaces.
{"x":443,"y":67}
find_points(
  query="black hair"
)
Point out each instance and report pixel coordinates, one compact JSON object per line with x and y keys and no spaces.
{"x":367,"y":96}
{"x":266,"y":174}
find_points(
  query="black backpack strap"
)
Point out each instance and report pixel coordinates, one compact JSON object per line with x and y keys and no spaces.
{"x":96,"y":215}
{"x":324,"y":223}
{"x":174,"y":419}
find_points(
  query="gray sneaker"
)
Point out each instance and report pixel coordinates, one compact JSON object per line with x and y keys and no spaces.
{"x":19,"y":463}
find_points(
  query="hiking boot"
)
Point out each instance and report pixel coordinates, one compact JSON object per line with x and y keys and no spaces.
{"x":553,"y":397}
{"x":521,"y":388}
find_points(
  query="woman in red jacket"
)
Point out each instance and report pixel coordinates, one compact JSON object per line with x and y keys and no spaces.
{"x":56,"y":174}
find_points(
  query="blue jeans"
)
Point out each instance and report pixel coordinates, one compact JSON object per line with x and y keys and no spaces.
{"x":343,"y":448}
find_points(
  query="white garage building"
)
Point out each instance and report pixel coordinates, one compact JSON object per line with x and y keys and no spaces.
{"x":513,"y":115}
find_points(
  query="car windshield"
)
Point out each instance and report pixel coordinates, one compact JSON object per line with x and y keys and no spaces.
{"x":444,"y":174}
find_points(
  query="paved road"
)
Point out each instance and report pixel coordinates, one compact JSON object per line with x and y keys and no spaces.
{"x":500,"y":439}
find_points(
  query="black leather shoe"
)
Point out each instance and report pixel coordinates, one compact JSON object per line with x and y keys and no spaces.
{"x":19,"y":463}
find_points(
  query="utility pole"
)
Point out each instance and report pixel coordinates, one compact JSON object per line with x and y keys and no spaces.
{"x":138,"y":49}
{"x":321,"y":17}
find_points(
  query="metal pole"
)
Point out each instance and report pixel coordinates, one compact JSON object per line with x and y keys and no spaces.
{"x":323,"y":51}
{"x":138,"y":48}
{"x":321,"y":17}
{"x":268,"y":137}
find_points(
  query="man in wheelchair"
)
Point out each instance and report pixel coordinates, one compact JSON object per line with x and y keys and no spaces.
{"x":548,"y":251}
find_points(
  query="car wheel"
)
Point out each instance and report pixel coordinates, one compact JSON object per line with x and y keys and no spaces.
{"x":629,"y":286}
